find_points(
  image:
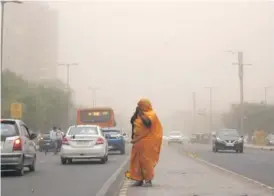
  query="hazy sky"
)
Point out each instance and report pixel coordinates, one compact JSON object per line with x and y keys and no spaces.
{"x":165,"y":50}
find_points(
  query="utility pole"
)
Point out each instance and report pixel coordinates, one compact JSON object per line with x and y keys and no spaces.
{"x":68,"y":66}
{"x":3,"y":2}
{"x":93,"y":91}
{"x":241,"y":65}
{"x":265,"y":93}
{"x":210,"y":108}
{"x":194,"y":111}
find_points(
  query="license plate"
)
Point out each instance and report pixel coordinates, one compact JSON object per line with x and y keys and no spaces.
{"x":82,"y":142}
{"x":229,"y":144}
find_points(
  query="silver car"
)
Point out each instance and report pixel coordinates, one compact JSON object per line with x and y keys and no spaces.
{"x":84,"y":142}
{"x":175,"y":137}
{"x":18,"y":149}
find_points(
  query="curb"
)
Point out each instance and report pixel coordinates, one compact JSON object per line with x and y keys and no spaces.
{"x":260,"y":148}
{"x":125,"y":187}
{"x":194,"y":156}
{"x":112,"y":186}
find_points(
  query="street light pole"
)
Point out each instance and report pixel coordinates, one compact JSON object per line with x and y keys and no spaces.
{"x":210,"y":108}
{"x":241,"y":65}
{"x":93,"y":90}
{"x":265,"y":93}
{"x":68,"y":66}
{"x":2,"y":25}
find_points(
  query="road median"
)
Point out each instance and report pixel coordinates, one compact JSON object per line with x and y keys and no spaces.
{"x":271,"y":148}
{"x":180,"y":175}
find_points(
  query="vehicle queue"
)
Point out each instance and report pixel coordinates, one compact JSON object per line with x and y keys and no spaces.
{"x":92,"y":139}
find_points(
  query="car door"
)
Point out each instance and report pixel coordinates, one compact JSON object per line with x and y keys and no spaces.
{"x":27,"y":144}
{"x":32,"y":145}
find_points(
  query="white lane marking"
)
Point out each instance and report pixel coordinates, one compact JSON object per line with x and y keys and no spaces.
{"x":233,"y":173}
{"x":111,"y":180}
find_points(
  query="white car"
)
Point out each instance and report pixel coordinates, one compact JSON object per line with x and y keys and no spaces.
{"x":17,"y":146}
{"x":84,"y":142}
{"x":175,"y":137}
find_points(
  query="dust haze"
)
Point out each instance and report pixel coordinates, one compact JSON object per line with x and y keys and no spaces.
{"x":165,"y":51}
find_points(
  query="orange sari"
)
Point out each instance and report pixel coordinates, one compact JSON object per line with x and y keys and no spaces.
{"x":145,"y":152}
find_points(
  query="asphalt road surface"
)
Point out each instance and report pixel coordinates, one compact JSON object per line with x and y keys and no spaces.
{"x":53,"y":179}
{"x":253,"y":163}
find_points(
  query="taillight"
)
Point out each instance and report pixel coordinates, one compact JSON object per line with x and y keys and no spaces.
{"x":65,"y":141}
{"x":100,"y":141}
{"x":17,"y":145}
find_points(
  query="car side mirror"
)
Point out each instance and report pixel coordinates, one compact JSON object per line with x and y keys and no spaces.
{"x":33,"y":136}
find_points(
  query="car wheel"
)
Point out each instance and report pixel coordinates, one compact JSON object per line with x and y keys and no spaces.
{"x":122,"y":151}
{"x":63,"y":161}
{"x":20,"y":171}
{"x":69,"y":161}
{"x":32,"y":166}
{"x":104,"y":159}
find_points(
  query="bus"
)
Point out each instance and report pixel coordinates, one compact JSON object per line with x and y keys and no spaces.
{"x":103,"y":117}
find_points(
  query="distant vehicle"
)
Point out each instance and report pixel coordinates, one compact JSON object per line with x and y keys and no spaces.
{"x":115,"y":140}
{"x":201,"y":138}
{"x":175,"y":137}
{"x":270,"y":140}
{"x":228,"y":139}
{"x":18,"y":150}
{"x":103,"y":117}
{"x":45,"y":143}
{"x":84,"y":142}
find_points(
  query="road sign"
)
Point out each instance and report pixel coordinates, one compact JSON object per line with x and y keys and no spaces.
{"x":16,"y":110}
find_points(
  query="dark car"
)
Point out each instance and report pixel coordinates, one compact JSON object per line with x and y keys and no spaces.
{"x":227,"y":139}
{"x":45,"y":143}
{"x":116,"y":141}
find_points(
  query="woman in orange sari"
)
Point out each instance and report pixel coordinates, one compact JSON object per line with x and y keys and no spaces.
{"x":147,"y":141}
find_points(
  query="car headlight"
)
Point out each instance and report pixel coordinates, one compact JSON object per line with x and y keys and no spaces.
{"x":219,"y":139}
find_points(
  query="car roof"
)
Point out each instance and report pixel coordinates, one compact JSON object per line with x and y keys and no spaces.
{"x":225,"y":129}
{"x":84,"y":126}
{"x":111,"y":128}
{"x":10,"y":119}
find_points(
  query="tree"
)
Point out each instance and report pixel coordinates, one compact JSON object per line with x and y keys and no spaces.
{"x":257,"y":116}
{"x":44,"y":105}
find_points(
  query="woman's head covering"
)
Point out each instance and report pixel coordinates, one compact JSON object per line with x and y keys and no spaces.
{"x":145,"y":105}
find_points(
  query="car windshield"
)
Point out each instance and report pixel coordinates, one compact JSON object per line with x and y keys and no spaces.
{"x":228,"y":132}
{"x":8,"y":129}
{"x":83,"y":131}
{"x":112,"y":132}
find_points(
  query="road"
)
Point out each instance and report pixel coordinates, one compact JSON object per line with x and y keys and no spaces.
{"x":52,"y":178}
{"x":253,"y":163}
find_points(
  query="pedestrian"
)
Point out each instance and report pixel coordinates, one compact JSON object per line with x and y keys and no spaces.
{"x":147,"y":141}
